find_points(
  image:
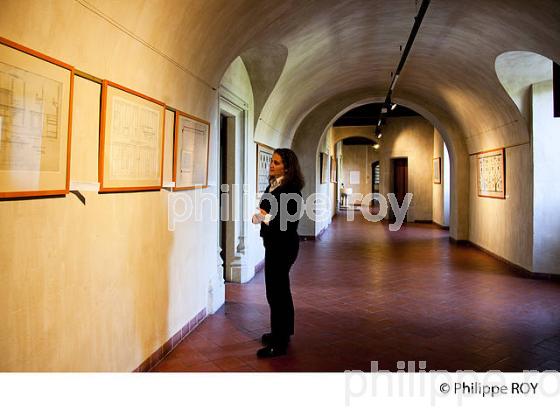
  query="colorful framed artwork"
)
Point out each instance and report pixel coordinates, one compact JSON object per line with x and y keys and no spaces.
{"x":437,"y":170}
{"x":191,"y":151}
{"x":264,"y":156}
{"x":131,"y":140}
{"x":35,"y":122}
{"x":491,"y":174}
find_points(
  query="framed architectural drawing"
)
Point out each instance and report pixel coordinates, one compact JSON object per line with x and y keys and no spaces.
{"x":491,"y":173}
{"x":191,"y":149}
{"x":437,"y":170}
{"x":333,"y":169}
{"x":264,"y":156}
{"x":324,"y":163}
{"x":131,"y":140}
{"x":35,"y":122}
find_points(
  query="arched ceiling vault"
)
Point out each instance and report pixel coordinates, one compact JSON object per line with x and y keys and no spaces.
{"x":334,"y":46}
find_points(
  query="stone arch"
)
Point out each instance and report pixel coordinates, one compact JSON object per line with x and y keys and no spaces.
{"x":310,"y":131}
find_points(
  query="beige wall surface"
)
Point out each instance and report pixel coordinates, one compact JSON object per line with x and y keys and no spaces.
{"x":98,"y":287}
{"x":413,"y":138}
{"x":502,"y":226}
{"x":410,"y":137}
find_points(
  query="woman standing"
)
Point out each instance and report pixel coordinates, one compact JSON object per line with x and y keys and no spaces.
{"x":280,"y":210}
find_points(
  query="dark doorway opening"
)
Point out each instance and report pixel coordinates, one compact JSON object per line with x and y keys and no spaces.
{"x":399,"y":176}
{"x":223,"y":180}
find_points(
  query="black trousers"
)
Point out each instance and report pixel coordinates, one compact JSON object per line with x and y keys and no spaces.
{"x":278,"y":260}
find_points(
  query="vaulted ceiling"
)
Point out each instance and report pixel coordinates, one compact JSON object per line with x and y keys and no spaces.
{"x":303,"y":53}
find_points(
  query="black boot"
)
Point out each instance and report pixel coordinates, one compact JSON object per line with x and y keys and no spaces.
{"x":272,"y":350}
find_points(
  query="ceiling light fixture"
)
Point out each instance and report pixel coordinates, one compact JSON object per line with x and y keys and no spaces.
{"x":387,"y":104}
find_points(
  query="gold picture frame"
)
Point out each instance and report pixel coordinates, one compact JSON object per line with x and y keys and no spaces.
{"x":36,"y":94}
{"x":131,"y":140}
{"x":191,"y":151}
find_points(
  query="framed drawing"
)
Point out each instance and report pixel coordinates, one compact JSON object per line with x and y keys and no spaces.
{"x":131,"y":140}
{"x":491,"y":174}
{"x":333,"y":169}
{"x":324,"y":163}
{"x":191,"y":149}
{"x":437,"y":170}
{"x":35,"y":122}
{"x":264,"y":156}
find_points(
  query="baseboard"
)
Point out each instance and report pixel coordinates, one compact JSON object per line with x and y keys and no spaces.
{"x":313,"y":238}
{"x":520,"y":270}
{"x":423,"y":221}
{"x":441,"y":226}
{"x":259,"y":266}
{"x":461,"y":242}
{"x":171,"y":344}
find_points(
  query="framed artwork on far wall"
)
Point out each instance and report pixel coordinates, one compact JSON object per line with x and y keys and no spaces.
{"x":437,"y":170}
{"x":333,"y":170}
{"x":190,"y":154}
{"x":35,"y":122}
{"x":491,"y":173}
{"x":324,"y":164}
{"x":264,"y":156}
{"x":131,"y":140}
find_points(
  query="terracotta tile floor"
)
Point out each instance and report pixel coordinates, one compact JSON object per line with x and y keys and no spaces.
{"x":365,"y":294}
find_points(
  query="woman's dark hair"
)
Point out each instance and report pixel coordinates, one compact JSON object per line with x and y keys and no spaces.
{"x":293,"y":175}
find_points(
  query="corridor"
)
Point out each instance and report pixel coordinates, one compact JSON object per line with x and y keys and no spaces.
{"x":365,"y":294}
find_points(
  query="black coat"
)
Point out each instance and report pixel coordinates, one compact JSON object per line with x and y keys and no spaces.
{"x":272,"y":233}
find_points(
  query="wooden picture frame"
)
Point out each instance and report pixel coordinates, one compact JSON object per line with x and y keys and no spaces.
{"x":131,"y":140}
{"x":324,"y":164}
{"x":437,"y":170}
{"x":491,"y":173}
{"x":36,"y":94}
{"x":191,"y":150}
{"x":333,"y":170}
{"x":264,"y":156}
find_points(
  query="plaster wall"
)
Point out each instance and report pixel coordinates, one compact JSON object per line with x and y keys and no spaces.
{"x":504,"y":226}
{"x":413,"y":138}
{"x":99,"y":287}
{"x":546,"y":189}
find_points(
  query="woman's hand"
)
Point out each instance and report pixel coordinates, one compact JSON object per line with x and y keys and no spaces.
{"x":259,"y":216}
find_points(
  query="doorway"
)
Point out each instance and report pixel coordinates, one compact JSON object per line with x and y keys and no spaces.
{"x":399,"y":177}
{"x":223,"y":202}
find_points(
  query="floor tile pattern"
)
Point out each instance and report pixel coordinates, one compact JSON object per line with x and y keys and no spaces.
{"x":366,"y":297}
